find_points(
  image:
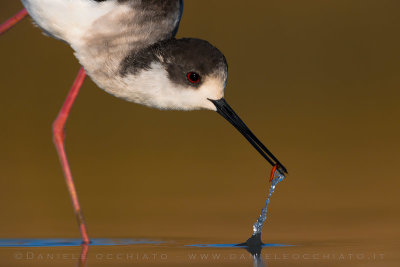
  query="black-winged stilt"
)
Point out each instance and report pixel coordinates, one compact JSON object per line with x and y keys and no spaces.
{"x":128,"y":48}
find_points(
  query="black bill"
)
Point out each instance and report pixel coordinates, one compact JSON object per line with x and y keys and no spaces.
{"x":227,"y":112}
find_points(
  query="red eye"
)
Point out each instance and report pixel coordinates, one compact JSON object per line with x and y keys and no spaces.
{"x":193,"y":77}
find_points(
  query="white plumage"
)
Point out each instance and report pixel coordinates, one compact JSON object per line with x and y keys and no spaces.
{"x":102,"y":34}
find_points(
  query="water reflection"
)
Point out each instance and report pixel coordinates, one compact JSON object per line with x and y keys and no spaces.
{"x":84,"y":256}
{"x":253,"y":245}
{"x":67,"y":242}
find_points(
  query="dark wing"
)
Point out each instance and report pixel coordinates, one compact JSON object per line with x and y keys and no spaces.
{"x":182,"y":4}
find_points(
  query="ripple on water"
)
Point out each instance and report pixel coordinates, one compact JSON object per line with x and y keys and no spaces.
{"x":70,"y":242}
{"x":234,"y":245}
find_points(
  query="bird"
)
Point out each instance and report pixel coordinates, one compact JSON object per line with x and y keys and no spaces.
{"x":130,"y":50}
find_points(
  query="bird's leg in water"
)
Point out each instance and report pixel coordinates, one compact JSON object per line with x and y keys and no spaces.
{"x":58,"y":130}
{"x":58,"y":138}
{"x":12,"y":21}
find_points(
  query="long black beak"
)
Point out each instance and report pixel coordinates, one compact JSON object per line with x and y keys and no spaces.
{"x":227,"y":112}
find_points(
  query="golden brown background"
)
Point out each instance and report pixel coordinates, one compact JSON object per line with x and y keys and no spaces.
{"x":317,"y":81}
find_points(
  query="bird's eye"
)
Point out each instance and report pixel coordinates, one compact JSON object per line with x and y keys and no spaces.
{"x":193,"y":77}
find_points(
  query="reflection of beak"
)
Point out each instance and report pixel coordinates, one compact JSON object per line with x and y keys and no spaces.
{"x":227,"y":112}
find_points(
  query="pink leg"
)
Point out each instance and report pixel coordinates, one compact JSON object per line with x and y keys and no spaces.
{"x":12,"y":21}
{"x":84,"y":256}
{"x":58,"y":138}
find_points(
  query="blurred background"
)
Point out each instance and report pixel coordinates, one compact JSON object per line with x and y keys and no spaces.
{"x":317,"y":82}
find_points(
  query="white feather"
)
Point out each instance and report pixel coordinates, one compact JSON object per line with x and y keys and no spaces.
{"x":153,"y":88}
{"x":68,"y":20}
{"x":101,"y":42}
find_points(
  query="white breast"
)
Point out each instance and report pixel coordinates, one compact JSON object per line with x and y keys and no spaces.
{"x":67,"y":20}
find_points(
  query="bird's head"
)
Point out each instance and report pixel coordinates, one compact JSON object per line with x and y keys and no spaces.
{"x":183,"y":74}
{"x":186,"y":74}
